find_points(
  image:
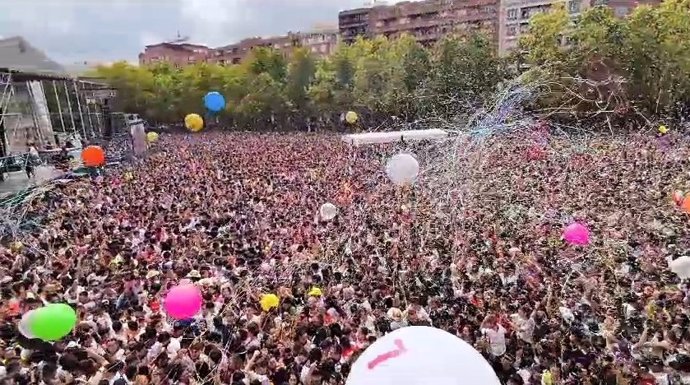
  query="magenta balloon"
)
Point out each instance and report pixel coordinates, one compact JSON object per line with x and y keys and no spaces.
{"x":183,"y":302}
{"x":576,"y":234}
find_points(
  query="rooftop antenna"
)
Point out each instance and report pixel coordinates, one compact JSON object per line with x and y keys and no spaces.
{"x":179,"y":39}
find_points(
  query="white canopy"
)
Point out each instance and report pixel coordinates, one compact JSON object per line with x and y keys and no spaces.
{"x":394,"y":136}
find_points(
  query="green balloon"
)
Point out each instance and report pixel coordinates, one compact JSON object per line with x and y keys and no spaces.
{"x":52,"y":322}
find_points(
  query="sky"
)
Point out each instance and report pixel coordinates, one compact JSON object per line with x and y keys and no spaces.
{"x":71,"y":31}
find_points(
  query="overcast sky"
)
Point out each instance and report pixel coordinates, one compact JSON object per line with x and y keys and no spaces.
{"x":103,"y":30}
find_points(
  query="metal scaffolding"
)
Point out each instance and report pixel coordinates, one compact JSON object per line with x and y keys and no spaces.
{"x":36,"y":111}
{"x":5,"y":97}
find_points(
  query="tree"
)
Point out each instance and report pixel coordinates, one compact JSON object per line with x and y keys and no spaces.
{"x":466,"y":71}
{"x":300,"y":75}
{"x":594,"y":66}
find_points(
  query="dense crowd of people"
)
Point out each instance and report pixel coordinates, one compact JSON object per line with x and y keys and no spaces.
{"x":238,"y":215}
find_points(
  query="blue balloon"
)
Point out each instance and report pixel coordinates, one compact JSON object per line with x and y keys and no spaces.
{"x":214,"y":101}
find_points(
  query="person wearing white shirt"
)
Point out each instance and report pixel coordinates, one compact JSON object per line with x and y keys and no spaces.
{"x":496,"y":334}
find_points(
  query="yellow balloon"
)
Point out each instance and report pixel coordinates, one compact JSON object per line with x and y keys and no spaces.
{"x":351,"y":117}
{"x":315,"y":292}
{"x":269,"y":301}
{"x":194,"y":122}
{"x":152,"y":137}
{"x":16,"y":246}
{"x":663,"y":129}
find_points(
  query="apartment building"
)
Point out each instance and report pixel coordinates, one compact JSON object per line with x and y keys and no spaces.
{"x":427,"y":21}
{"x":353,"y":23}
{"x":321,"y":41}
{"x":235,"y":53}
{"x":178,"y":54}
{"x":515,"y":15}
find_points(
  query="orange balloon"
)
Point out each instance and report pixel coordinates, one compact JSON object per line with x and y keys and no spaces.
{"x":93,"y":156}
{"x":686,"y":204}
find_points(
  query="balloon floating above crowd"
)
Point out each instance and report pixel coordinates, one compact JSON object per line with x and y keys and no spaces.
{"x":48,"y":323}
{"x":194,"y":122}
{"x":421,"y":355}
{"x":328,"y":211}
{"x":402,"y":169}
{"x":681,"y":267}
{"x":183,"y":301}
{"x":315,"y":292}
{"x":351,"y":117}
{"x":269,"y":301}
{"x":93,"y":156}
{"x":576,"y":234}
{"x":685,"y":204}
{"x":214,"y":101}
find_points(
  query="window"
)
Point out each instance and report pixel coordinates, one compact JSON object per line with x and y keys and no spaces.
{"x":512,"y":14}
{"x":574,"y":6}
{"x":525,"y":13}
{"x":512,"y":30}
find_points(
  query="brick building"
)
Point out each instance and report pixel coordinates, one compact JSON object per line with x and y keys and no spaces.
{"x":321,"y":42}
{"x":515,"y":14}
{"x":235,"y":53}
{"x":178,"y":54}
{"x":427,"y":21}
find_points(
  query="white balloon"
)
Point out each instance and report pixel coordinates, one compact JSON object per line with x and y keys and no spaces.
{"x":25,"y":324}
{"x":328,"y":211}
{"x":681,"y":266}
{"x":402,"y":169}
{"x":421,"y":355}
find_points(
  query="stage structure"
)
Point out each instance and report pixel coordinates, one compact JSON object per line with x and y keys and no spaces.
{"x":42,"y":108}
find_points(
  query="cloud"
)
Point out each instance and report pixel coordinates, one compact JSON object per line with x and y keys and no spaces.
{"x":148,"y":38}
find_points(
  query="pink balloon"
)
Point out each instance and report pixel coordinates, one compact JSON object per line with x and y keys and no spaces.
{"x":183,"y":302}
{"x":576,"y":234}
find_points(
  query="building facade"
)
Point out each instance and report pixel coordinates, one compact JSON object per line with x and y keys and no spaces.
{"x":353,"y":23}
{"x":427,"y":21}
{"x":178,"y":55}
{"x":320,"y":42}
{"x":236,"y":53}
{"x":515,"y":15}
